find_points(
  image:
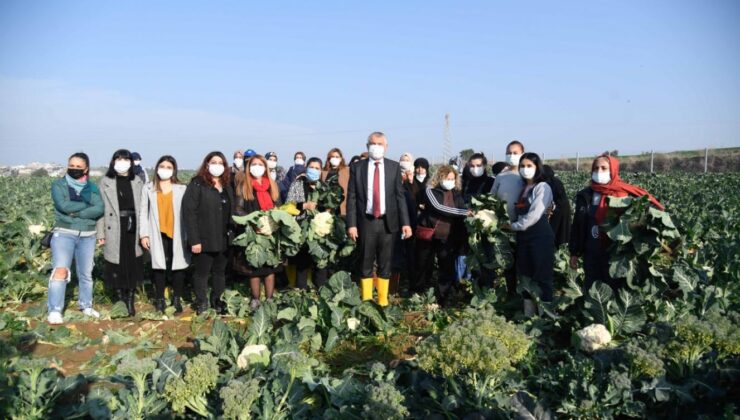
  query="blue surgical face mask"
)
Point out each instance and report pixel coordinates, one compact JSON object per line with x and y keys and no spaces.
{"x":313,"y":174}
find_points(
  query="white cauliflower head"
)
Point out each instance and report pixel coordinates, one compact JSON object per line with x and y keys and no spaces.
{"x":488,"y":217}
{"x":322,"y":223}
{"x":35,"y":229}
{"x":253,"y":354}
{"x":593,"y":337}
{"x":266,"y":225}
{"x":353,"y":323}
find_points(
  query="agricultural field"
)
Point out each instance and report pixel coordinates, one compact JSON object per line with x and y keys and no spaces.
{"x":667,"y":345}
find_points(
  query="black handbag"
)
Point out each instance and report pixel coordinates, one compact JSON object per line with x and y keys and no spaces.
{"x":46,"y":240}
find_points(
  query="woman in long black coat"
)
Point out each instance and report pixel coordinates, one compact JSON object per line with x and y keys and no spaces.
{"x":560,"y":219}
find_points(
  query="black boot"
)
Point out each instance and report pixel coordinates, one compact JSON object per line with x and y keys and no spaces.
{"x":120,"y":296}
{"x":177,"y":304}
{"x":159,"y":305}
{"x":218,"y":306}
{"x":201,"y":306}
{"x":130,"y":295}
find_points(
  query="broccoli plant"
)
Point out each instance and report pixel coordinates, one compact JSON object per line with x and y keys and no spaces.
{"x":190,"y":390}
{"x":482,"y":347}
{"x":38,"y":386}
{"x":237,"y":398}
{"x":140,"y":402}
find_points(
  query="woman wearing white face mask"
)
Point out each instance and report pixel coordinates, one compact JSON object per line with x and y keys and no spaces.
{"x":404,"y":250}
{"x":162,"y":231}
{"x":299,"y":167}
{"x":275,"y":172}
{"x":586,"y":239}
{"x":444,"y":213}
{"x":206,"y":209}
{"x":534,"y":240}
{"x":421,"y":176}
{"x":238,"y":164}
{"x":117,"y":229}
{"x":336,"y":167}
{"x":475,"y":179}
{"x":255,"y":191}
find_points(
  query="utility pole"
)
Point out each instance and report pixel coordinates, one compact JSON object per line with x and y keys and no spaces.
{"x":706,"y":159}
{"x":447,"y":147}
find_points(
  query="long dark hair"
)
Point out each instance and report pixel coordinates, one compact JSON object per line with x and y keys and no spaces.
{"x":120,"y":154}
{"x":539,"y":173}
{"x":207,"y":177}
{"x":174,"y":179}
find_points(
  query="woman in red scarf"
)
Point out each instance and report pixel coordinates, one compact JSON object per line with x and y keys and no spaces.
{"x":587,"y":241}
{"x":255,"y":191}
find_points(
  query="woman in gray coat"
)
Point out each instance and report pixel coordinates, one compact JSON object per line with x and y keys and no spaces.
{"x":162,"y":231}
{"x":117,"y":231}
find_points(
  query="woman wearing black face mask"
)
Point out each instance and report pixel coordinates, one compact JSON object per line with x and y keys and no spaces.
{"x":118,"y":230}
{"x":77,"y":206}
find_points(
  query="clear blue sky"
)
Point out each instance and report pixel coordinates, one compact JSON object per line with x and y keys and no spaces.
{"x":187,"y":77}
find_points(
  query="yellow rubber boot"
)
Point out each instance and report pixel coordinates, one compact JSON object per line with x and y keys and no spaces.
{"x":383,"y":285}
{"x":366,"y":287}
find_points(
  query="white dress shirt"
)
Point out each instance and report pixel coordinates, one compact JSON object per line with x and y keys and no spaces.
{"x":370,"y":177}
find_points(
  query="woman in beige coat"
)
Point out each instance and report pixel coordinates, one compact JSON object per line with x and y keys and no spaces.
{"x":162,"y":231}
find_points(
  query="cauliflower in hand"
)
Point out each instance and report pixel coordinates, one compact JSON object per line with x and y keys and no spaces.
{"x":487,"y":217}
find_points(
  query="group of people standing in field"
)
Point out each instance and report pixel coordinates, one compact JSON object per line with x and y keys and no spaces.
{"x":403,"y":217}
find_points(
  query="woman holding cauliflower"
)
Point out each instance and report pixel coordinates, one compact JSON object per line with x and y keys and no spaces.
{"x":298,"y":194}
{"x":535,"y":240}
{"x":256,"y":191}
{"x":587,"y":241}
{"x":444,"y":212}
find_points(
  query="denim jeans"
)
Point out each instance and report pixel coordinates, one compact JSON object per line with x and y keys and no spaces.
{"x":65,"y":247}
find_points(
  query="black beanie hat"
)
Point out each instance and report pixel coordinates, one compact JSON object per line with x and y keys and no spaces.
{"x":421,"y":162}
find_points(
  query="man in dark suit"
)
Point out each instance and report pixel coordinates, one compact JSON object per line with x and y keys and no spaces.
{"x":376,"y":210}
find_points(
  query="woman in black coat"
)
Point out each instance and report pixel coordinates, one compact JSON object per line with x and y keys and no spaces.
{"x":206,"y":209}
{"x":445,"y":212}
{"x":475,"y":180}
{"x":561,"y":214}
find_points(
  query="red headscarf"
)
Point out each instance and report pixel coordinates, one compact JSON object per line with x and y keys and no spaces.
{"x":617,"y":188}
{"x":261,"y":187}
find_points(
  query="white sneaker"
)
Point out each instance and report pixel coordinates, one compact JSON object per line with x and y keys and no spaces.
{"x":91,"y":313}
{"x":255,"y":304}
{"x":55,"y":318}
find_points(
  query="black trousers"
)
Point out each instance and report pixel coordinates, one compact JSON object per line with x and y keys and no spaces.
{"x":304,"y":264}
{"x":536,"y":259}
{"x":376,"y":243}
{"x":426,"y":251}
{"x":160,"y":276}
{"x":207,"y":263}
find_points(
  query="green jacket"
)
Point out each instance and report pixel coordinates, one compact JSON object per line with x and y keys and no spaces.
{"x":76,"y":215}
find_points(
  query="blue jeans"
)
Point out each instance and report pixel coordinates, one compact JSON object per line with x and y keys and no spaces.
{"x":65,"y":247}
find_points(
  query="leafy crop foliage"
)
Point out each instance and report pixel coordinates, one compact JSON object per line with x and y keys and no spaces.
{"x":674,"y":350}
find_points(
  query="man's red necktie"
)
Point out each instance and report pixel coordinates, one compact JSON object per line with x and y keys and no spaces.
{"x":376,"y":191}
